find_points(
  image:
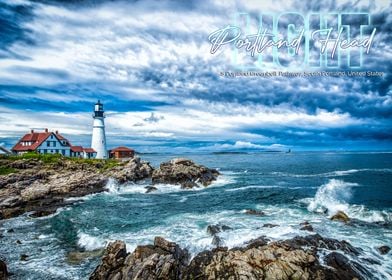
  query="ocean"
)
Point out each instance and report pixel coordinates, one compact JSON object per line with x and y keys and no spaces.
{"x":290,"y":188}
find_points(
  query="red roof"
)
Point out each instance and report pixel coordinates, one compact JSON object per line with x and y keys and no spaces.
{"x":37,"y":138}
{"x":89,"y":150}
{"x":77,"y":149}
{"x":121,"y":149}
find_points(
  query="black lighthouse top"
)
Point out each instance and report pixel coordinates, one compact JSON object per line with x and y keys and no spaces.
{"x":98,"y":109}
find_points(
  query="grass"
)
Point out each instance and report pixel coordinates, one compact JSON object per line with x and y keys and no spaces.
{"x":57,"y":158}
{"x":4,"y":170}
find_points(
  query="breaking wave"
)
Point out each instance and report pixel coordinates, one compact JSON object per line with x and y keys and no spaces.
{"x":335,"y":195}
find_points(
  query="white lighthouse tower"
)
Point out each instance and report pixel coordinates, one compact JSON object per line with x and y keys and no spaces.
{"x":98,"y":141}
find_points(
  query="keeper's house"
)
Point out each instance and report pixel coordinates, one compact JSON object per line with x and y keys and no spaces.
{"x":50,"y":143}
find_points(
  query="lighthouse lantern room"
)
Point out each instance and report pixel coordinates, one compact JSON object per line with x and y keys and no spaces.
{"x":98,"y":141}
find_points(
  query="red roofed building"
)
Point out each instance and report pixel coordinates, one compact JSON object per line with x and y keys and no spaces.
{"x":49,"y":143}
{"x":121,"y":152}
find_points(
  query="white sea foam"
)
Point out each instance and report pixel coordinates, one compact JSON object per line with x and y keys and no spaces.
{"x":114,"y":188}
{"x":335,"y":195}
{"x":90,"y":242}
{"x":332,"y":197}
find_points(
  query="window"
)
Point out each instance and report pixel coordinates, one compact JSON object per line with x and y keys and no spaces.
{"x":51,"y":151}
{"x":63,"y":152}
{"x":54,"y":143}
{"x":45,"y":151}
{"x":51,"y":136}
{"x":48,"y":143}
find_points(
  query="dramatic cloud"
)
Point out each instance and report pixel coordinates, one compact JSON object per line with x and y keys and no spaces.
{"x":149,"y":62}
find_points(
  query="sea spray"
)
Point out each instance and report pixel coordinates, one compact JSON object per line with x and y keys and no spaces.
{"x":332,"y":197}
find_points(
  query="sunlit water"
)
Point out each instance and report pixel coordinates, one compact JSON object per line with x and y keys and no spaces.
{"x":289,"y":188}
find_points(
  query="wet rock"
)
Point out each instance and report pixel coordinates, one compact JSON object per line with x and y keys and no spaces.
{"x":3,"y":270}
{"x":23,"y":257}
{"x":254,"y":212}
{"x":163,"y":260}
{"x":384,"y":249}
{"x":290,"y":259}
{"x":77,"y":257}
{"x":112,"y":261}
{"x":345,"y":268}
{"x":270,"y":225}
{"x":306,"y":226}
{"x":317,"y":241}
{"x":340,"y":216}
{"x":150,"y":189}
{"x":185,"y":173}
{"x":217,"y":241}
{"x":258,"y":242}
{"x":11,"y":230}
{"x":214,"y":229}
{"x":18,"y":242}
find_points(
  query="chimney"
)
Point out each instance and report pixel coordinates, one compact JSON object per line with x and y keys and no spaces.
{"x":57,"y":132}
{"x":32,"y":131}
{"x":46,"y":130}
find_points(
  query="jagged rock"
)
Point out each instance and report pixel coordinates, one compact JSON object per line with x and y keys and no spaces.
{"x":384,"y":249}
{"x":112,"y":261}
{"x":317,"y":241}
{"x":254,"y":212}
{"x":290,"y":259}
{"x":3,"y":270}
{"x":345,"y":268}
{"x":163,"y":260}
{"x":214,"y":229}
{"x":150,"y":189}
{"x":185,"y":173}
{"x":306,"y":226}
{"x":134,"y":170}
{"x":340,"y":216}
{"x":18,"y":242}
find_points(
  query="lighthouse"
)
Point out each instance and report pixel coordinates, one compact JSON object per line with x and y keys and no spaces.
{"x":98,"y":141}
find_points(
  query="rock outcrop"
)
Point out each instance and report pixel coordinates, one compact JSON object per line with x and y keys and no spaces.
{"x":383,"y":250}
{"x":340,"y":216}
{"x":163,"y":260}
{"x":41,"y":187}
{"x":185,"y":173}
{"x":296,"y":258}
{"x":132,"y":171}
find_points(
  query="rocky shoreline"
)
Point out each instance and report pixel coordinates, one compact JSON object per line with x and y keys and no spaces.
{"x":309,"y":257}
{"x":42,"y":185}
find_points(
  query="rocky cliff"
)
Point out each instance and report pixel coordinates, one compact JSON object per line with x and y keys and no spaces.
{"x":41,"y":183}
{"x":40,"y":186}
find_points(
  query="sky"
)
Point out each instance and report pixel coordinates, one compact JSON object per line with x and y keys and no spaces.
{"x":149,"y":63}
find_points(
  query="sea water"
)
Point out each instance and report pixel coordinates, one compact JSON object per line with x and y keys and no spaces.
{"x":290,"y":188}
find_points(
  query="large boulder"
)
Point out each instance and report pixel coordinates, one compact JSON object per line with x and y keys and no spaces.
{"x":133,"y":170}
{"x":340,"y":216}
{"x":185,"y":173}
{"x":297,"y":258}
{"x":163,"y":260}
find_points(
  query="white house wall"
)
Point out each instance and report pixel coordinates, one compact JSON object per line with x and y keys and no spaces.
{"x":55,"y":147}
